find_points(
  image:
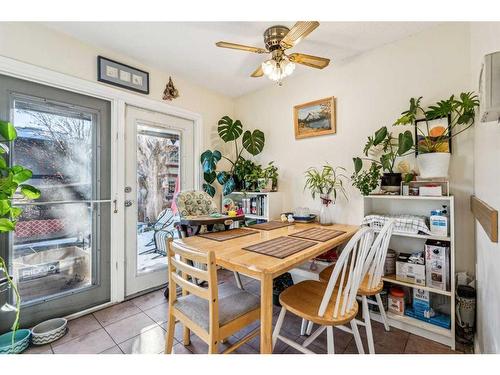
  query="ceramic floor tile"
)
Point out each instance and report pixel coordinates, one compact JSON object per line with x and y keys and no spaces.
{"x":420,"y":345}
{"x":78,"y":327}
{"x":180,"y":349}
{"x":42,"y":349}
{"x":129,"y":327}
{"x":114,"y":350}
{"x":149,"y":300}
{"x":158,"y":313}
{"x":117,"y":312}
{"x":179,"y":330}
{"x":149,"y":342}
{"x":89,"y":343}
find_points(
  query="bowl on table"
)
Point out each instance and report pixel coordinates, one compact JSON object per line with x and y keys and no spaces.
{"x":21,"y":341}
{"x":48,"y":331}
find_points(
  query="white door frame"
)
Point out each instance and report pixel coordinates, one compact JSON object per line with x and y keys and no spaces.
{"x":118,"y":99}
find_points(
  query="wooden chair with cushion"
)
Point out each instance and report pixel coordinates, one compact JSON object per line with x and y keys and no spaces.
{"x":331,"y":304}
{"x":372,"y":283}
{"x":200,"y":309}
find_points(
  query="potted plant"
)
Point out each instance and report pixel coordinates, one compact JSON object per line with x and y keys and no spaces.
{"x":230,"y":131}
{"x":433,"y":159}
{"x":271,"y":176}
{"x":325,"y":183}
{"x":381,"y":150}
{"x":12,"y":185}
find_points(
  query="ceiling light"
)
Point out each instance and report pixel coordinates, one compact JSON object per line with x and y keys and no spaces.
{"x":277,"y":70}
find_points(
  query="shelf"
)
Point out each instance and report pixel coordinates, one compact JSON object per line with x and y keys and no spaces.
{"x":410,"y":197}
{"x":404,"y":319}
{"x":421,"y":236}
{"x":257,"y":217}
{"x":392,"y":279}
{"x":251,"y":193}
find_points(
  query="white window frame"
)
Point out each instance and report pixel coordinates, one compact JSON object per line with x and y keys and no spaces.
{"x":118,"y":99}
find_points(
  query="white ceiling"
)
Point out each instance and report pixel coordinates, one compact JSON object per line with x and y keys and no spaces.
{"x":188,"y":49}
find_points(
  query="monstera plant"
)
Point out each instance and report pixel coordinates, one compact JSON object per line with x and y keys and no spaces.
{"x":230,"y":131}
{"x":12,"y":185}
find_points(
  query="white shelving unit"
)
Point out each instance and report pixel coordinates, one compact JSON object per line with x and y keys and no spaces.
{"x":272,"y":209}
{"x":407,"y":243}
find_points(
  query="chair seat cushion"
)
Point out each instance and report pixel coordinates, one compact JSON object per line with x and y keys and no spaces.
{"x":233,"y":303}
{"x":363,"y":290}
{"x":303,"y":299}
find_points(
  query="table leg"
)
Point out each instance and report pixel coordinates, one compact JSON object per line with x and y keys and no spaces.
{"x":266,"y":314}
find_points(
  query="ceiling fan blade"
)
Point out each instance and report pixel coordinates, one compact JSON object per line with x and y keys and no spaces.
{"x":240,"y":47}
{"x":298,"y":32}
{"x":309,"y":60}
{"x":258,"y":72}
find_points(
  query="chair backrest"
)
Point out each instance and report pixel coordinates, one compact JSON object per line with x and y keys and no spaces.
{"x":165,"y":218}
{"x":348,"y":273}
{"x":183,"y":274}
{"x":195,"y":202}
{"x":375,"y":267}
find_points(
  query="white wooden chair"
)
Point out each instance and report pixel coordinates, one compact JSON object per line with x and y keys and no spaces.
{"x":372,"y":283}
{"x":331,"y":304}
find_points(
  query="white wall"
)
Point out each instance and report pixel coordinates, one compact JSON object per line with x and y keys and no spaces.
{"x":38,"y":45}
{"x":484,"y":40}
{"x":371,"y":90}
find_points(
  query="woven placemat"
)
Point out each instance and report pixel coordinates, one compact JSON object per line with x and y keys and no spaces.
{"x":270,"y":225}
{"x":227,"y":234}
{"x":318,"y":234}
{"x":280,"y":247}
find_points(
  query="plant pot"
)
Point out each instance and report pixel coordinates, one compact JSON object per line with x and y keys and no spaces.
{"x":325,"y":213}
{"x":434,"y":164}
{"x":391,"y":182}
{"x":21,"y":341}
{"x":265,"y":185}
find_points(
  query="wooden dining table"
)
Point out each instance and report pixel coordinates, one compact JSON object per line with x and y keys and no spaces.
{"x":231,"y":255}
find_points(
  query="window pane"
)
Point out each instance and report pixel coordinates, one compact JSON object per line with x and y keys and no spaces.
{"x":52,"y":250}
{"x":55,"y":142}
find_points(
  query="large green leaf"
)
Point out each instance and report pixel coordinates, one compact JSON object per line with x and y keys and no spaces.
{"x":30,"y":192}
{"x":380,"y":136}
{"x":405,"y":142}
{"x":22,"y":175}
{"x":229,"y":186}
{"x":7,"y":131}
{"x":3,"y":163}
{"x":254,"y":141}
{"x":209,"y":189}
{"x":4,"y":207}
{"x":358,"y":164}
{"x":6,"y":225}
{"x":229,"y":130}
{"x":209,"y":177}
{"x":209,"y":160}
{"x":409,"y":116}
{"x":222,"y":177}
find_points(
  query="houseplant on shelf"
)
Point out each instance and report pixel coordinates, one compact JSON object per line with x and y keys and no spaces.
{"x":325,"y":183}
{"x":230,"y":131}
{"x":12,"y":187}
{"x":433,"y":159}
{"x":381,"y":151}
{"x":269,"y":178}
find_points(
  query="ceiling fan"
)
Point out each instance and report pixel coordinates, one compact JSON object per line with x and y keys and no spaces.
{"x":277,"y":40}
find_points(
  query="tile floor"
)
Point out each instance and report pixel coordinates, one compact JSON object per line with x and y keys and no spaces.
{"x":139,"y":326}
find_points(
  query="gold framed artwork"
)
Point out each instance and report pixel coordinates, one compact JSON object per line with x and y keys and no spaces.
{"x":315,"y":118}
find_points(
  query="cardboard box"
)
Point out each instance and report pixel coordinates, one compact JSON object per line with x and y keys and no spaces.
{"x":431,"y":191}
{"x":437,"y":264}
{"x":410,"y":273}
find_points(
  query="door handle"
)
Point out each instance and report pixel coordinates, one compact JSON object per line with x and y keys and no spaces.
{"x":128,"y":203}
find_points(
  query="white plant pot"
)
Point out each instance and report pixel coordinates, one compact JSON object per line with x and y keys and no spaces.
{"x":433,"y":165}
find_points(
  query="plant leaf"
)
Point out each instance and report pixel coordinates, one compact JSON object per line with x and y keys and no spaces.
{"x":209,"y":160}
{"x":254,"y":141}
{"x":228,"y":186}
{"x":358,"y":164}
{"x":30,"y":192}
{"x":222,"y":177}
{"x":405,"y":142}
{"x":7,"y":131}
{"x":6,"y":225}
{"x":380,"y":135}
{"x":4,"y":207}
{"x":3,"y":163}
{"x":22,"y":175}
{"x":209,"y":177}
{"x":209,"y":189}
{"x":229,"y":130}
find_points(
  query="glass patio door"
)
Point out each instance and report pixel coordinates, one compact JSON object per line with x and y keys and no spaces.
{"x":59,"y":253}
{"x":159,"y":162}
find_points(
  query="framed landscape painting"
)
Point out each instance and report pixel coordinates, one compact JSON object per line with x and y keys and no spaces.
{"x":315,"y":118}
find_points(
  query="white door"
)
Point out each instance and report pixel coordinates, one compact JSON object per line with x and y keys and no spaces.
{"x":159,"y":160}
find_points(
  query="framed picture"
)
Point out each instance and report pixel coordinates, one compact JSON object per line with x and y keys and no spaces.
{"x":121,"y":75}
{"x":433,"y":129}
{"x":315,"y":118}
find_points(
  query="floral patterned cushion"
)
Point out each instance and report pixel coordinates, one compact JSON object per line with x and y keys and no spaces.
{"x":194,"y":203}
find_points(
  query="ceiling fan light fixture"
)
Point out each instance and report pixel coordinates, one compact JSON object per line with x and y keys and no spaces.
{"x":276,"y":71}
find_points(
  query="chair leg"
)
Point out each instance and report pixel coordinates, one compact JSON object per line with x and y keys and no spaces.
{"x":186,"y":337}
{"x":357,"y":337}
{"x":309,"y":328}
{"x":213,"y":348}
{"x":238,"y":280}
{"x":330,"y":341}
{"x":169,"y":342}
{"x":303,"y":327}
{"x":368,"y":326}
{"x":382,"y":312}
{"x":277,"y":327}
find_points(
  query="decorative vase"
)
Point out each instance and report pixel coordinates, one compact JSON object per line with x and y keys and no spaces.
{"x":325,"y":213}
{"x":434,"y":164}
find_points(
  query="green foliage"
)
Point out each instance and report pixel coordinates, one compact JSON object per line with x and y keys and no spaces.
{"x":326,"y":181}
{"x":461,"y":111}
{"x":230,"y":131}
{"x":368,"y":180}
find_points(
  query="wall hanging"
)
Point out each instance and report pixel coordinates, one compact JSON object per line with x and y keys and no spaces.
{"x":315,"y":118}
{"x":170,"y":91}
{"x":121,"y":75}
